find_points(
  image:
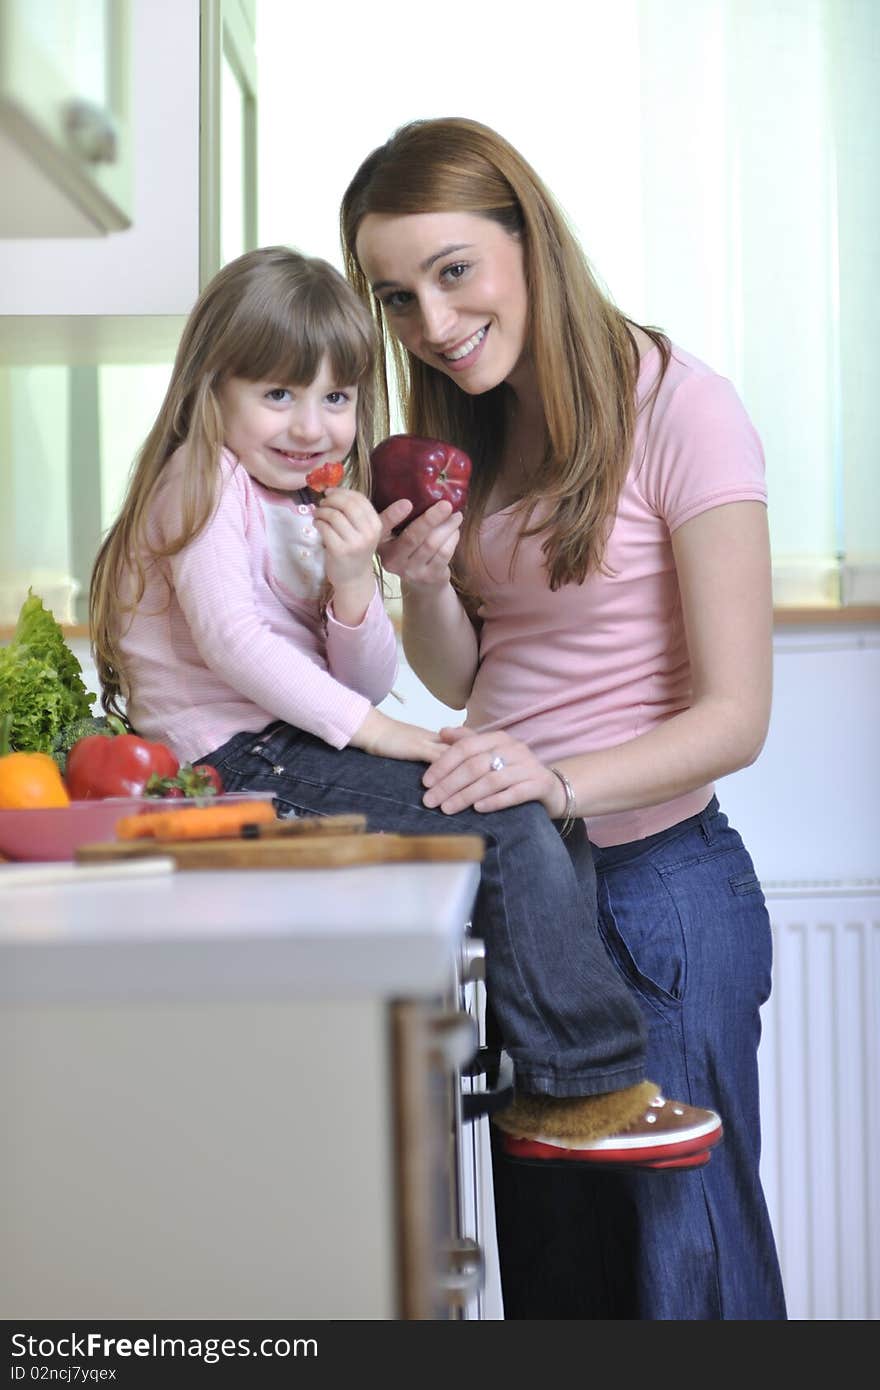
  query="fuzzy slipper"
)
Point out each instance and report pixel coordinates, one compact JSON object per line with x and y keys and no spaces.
{"x":605,"y":1131}
{"x":532,"y":1116}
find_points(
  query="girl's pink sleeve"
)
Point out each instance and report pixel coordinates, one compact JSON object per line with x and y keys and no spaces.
{"x":214,"y":588}
{"x":365,"y":657}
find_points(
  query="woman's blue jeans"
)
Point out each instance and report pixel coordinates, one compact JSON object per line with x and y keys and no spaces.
{"x":683,"y":918}
{"x":566,"y":1017}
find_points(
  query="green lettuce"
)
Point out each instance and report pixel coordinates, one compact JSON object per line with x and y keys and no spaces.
{"x":41,"y":686}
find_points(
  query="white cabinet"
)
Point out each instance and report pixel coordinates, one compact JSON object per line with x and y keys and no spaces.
{"x":124,"y":297}
{"x":65,"y":133}
{"x":230,"y":1095}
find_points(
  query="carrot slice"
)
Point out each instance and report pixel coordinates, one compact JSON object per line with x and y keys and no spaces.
{"x":196,"y":822}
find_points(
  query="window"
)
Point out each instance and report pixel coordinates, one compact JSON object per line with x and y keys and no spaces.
{"x":720,"y":161}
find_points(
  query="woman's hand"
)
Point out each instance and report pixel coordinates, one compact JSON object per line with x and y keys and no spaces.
{"x":420,"y":555}
{"x":463,"y":775}
{"x":391,"y":738}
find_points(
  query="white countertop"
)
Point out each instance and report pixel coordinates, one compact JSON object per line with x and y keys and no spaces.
{"x":391,"y":930}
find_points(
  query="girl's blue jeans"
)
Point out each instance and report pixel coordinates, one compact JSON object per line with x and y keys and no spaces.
{"x":683,"y":919}
{"x":567,"y":1019}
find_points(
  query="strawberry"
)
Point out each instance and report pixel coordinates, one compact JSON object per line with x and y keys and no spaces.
{"x":201,"y":780}
{"x":211,"y":775}
{"x":324,"y":476}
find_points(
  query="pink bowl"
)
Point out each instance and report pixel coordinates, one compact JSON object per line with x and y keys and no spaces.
{"x":55,"y":832}
{"x":51,"y":833}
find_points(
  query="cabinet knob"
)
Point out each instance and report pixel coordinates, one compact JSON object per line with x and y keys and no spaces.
{"x":464,"y":1272}
{"x":91,"y":132}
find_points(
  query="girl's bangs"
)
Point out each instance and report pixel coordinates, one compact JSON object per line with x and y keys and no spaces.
{"x":289,"y":347}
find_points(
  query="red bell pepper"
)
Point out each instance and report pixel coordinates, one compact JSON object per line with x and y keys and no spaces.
{"x":98,"y":766}
{"x":424,"y":471}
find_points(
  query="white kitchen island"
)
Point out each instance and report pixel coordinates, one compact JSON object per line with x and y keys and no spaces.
{"x":209,"y":1110}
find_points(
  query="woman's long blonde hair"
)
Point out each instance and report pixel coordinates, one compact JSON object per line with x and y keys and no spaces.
{"x":270,"y":315}
{"x":584,"y":351}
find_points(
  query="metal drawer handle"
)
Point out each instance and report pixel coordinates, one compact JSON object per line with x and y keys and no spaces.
{"x":465,"y":1272}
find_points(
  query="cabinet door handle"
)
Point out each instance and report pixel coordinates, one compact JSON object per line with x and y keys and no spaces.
{"x":463,"y":1271}
{"x":92,"y":132}
{"x":476,"y":1104}
{"x":472,"y":965}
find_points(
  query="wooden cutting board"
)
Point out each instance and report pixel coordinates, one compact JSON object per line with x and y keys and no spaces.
{"x":318,"y":851}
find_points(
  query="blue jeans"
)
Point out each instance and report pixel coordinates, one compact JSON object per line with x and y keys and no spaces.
{"x":683,"y":918}
{"x":566,"y":1017}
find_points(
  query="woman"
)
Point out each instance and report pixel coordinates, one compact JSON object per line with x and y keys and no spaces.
{"x":603,"y":610}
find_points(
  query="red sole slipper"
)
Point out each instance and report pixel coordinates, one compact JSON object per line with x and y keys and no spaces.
{"x":694,"y":1154}
{"x":698,"y":1160}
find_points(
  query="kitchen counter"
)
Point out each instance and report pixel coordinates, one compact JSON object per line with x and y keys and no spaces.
{"x":216,"y":1087}
{"x":388,"y":929}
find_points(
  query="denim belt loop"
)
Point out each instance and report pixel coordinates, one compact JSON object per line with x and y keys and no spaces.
{"x":705,"y":818}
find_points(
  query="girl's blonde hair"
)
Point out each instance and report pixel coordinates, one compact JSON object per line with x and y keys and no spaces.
{"x":270,"y":315}
{"x":584,"y":351}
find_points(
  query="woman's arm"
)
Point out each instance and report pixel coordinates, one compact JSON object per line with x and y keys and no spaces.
{"x":438,"y":637}
{"x":723,"y":561}
{"x":440,"y":643}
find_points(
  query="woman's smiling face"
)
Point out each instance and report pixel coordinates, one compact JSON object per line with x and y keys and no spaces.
{"x":453,"y":288}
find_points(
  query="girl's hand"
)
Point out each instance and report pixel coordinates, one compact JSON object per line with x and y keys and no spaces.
{"x":462,"y":776}
{"x":391,"y":738}
{"x":420,"y":555}
{"x":351,"y":531}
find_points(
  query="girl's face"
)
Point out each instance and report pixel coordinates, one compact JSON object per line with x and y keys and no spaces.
{"x":280,"y":432}
{"x":453,"y":288}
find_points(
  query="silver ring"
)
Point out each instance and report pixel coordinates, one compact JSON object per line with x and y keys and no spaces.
{"x":497,"y":763}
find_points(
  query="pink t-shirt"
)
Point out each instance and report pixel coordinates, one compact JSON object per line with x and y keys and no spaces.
{"x":596,"y":664}
{"x":228,"y":636}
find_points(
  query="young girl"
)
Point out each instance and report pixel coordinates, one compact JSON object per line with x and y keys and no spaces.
{"x":244,"y":626}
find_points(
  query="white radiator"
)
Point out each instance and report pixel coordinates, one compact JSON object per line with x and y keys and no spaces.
{"x":820,"y":1076}
{"x":820,"y":1105}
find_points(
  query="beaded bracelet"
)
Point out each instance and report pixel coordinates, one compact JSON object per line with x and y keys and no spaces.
{"x":569,"y":814}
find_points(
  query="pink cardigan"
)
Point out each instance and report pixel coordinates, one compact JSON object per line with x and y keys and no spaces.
{"x":228,"y":635}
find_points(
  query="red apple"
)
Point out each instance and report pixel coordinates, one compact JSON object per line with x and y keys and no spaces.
{"x":424,"y":471}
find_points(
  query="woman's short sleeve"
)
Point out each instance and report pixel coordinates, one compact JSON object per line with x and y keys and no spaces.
{"x":702,"y":450}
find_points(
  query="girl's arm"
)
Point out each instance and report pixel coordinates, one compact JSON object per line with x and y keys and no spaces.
{"x":364,"y":656}
{"x":438,"y":637}
{"x":722,"y":558}
{"x":213,"y":582}
{"x":361,"y":642}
